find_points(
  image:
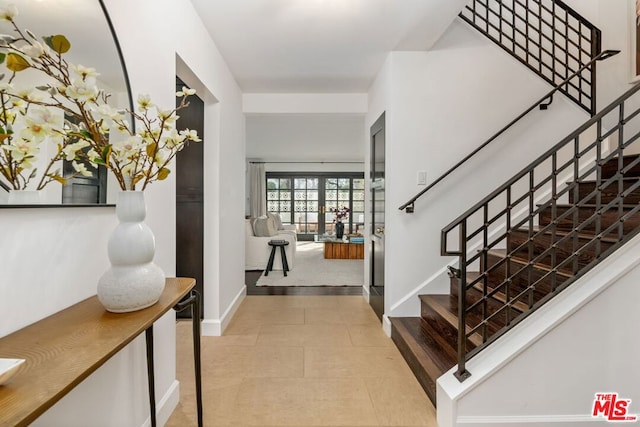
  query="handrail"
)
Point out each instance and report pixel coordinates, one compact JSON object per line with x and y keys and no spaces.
{"x":533,"y":204}
{"x":409,"y":206}
{"x":595,"y":119}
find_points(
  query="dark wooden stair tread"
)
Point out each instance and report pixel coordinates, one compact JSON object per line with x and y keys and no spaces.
{"x":538,"y":230}
{"x":498,"y":295}
{"x":446,"y":307}
{"x":426,"y":356}
{"x":588,"y":190}
{"x":608,"y":217}
{"x":502,"y":253}
{"x":502,"y":298}
{"x":628,"y":206}
{"x":610,"y":167}
{"x":429,"y":343}
{"x":589,"y":181}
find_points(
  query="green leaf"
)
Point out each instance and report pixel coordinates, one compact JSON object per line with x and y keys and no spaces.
{"x":99,"y":161}
{"x":2,"y":58}
{"x":163,"y":174}
{"x":16,"y":62}
{"x":151,"y":149}
{"x":87,"y":134}
{"x":59,"y":43}
{"x":106,"y":153}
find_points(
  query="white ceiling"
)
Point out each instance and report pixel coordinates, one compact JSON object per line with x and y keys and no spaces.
{"x":319,"y":46}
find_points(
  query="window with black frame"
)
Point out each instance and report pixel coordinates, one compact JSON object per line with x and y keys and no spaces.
{"x":309,"y":200}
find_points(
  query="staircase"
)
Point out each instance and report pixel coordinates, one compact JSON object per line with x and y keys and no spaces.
{"x":535,"y":262}
{"x":551,"y":223}
{"x":528,"y":240}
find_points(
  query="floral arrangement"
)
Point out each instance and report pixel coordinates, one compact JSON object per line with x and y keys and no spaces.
{"x":340,"y":214}
{"x":28,"y":117}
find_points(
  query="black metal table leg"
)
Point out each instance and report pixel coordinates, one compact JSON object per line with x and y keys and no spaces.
{"x":194,"y":302}
{"x":195,"y":311}
{"x":150,"y":374}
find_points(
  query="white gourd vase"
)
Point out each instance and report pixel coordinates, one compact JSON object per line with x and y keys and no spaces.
{"x":24,"y":197}
{"x":133,"y":282}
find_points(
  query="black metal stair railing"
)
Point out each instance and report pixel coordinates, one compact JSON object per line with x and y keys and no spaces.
{"x":551,"y":39}
{"x":547,"y":36}
{"x":548,"y":186}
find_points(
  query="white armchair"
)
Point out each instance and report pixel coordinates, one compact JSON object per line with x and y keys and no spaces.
{"x":257,"y":249}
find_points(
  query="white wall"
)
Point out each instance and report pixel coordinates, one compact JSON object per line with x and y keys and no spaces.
{"x":53,"y":257}
{"x":441,"y":105}
{"x":224,"y":135}
{"x":379,"y":102}
{"x":305,"y":137}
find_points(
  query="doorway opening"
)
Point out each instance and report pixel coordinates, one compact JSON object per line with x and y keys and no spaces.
{"x":376,"y":282}
{"x":190,"y":200}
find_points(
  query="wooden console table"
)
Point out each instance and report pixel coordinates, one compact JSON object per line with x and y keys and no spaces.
{"x":336,"y":249}
{"x":65,"y":348}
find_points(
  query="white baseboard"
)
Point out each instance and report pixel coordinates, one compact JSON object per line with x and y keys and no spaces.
{"x":166,"y":405}
{"x":386,"y":325}
{"x":215,"y":327}
{"x":528,"y":421}
{"x":365,"y":293}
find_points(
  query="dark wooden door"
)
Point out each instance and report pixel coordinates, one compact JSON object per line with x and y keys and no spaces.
{"x":376,"y":279}
{"x":189,"y":198}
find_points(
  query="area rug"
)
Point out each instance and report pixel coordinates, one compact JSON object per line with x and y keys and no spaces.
{"x":311,"y":269}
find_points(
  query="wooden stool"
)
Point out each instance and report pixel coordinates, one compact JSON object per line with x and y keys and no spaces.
{"x":274,"y":244}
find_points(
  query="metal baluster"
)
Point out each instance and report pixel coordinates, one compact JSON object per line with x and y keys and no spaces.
{"x":507,"y":280}
{"x":621,"y":170}
{"x":530,"y":242}
{"x":554,"y":214}
{"x":577,"y":203}
{"x":462,"y":373}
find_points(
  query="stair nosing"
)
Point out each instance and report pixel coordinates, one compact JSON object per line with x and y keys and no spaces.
{"x":438,"y":370}
{"x":589,"y":181}
{"x":523,"y":261}
{"x":587,"y":205}
{"x":450,"y":318}
{"x":562,"y":232}
{"x":502,"y":298}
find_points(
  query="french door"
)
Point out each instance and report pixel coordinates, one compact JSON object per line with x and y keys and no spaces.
{"x":308,"y":201}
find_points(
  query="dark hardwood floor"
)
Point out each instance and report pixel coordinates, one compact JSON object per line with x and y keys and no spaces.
{"x":252,"y":276}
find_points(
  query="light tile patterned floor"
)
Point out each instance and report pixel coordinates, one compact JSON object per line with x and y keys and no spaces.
{"x":300,"y":361}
